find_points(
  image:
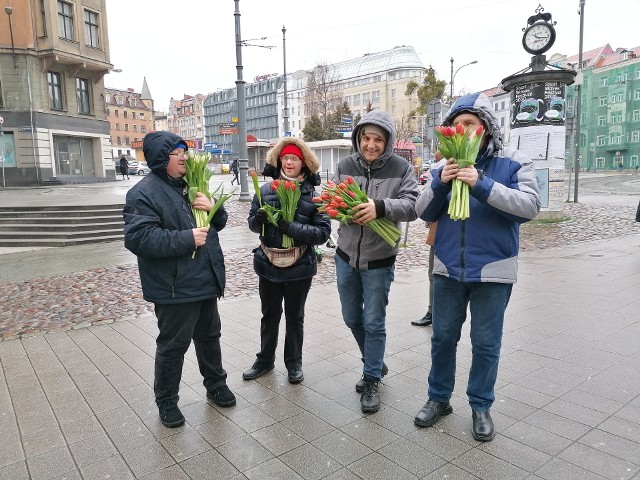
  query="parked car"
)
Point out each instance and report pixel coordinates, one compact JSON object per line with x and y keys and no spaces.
{"x":424,"y":177}
{"x":138,"y":168}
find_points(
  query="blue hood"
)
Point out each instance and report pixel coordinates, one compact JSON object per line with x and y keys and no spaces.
{"x":480,"y":105}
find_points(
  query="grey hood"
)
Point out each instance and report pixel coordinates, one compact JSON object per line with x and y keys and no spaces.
{"x":383,"y":120}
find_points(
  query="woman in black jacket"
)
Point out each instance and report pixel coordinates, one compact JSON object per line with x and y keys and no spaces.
{"x":286,"y":274}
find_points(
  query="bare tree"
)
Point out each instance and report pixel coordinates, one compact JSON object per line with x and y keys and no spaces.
{"x":323,"y":95}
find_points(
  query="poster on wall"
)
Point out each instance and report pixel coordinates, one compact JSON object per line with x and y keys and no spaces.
{"x":538,"y":114}
{"x":7,"y":150}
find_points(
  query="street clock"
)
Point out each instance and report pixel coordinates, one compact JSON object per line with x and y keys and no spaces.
{"x":540,"y":34}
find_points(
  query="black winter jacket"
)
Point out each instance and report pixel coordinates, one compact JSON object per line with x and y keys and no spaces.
{"x":309,"y":227}
{"x":158,"y":223}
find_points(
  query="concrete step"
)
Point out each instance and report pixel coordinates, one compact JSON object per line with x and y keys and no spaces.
{"x":31,"y":228}
{"x":60,"y":242}
{"x":49,"y":220}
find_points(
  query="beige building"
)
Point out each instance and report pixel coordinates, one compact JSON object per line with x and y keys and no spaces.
{"x":53,"y":58}
{"x":186,"y":118}
{"x":130,"y":116}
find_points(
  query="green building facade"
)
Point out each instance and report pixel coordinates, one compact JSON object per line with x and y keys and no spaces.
{"x":609,"y":117}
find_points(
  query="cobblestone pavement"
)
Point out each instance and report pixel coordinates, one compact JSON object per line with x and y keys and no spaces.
{"x":105,"y":295}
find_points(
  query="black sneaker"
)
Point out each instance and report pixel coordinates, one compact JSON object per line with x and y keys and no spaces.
{"x":222,"y":396}
{"x":370,"y":398}
{"x":360,"y":383}
{"x":170,"y":415}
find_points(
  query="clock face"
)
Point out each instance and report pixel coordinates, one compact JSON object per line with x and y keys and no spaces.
{"x":538,"y":38}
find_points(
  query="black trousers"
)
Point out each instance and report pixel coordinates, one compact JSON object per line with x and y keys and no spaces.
{"x":272,"y":295}
{"x":179,"y":324}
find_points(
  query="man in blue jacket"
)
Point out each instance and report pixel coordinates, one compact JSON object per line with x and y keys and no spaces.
{"x":181,"y":270}
{"x":475,"y":261}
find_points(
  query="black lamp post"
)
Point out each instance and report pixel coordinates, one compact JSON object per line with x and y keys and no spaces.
{"x":576,"y":160}
{"x":243,"y":161}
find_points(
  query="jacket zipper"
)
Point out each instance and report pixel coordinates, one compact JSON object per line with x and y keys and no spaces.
{"x":366,"y":189}
{"x":462,"y":248}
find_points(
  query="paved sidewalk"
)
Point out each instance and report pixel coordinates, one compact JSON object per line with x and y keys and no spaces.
{"x":79,"y":403}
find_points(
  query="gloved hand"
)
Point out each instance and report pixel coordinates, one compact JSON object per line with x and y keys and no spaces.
{"x":283,"y":226}
{"x":260,"y":218}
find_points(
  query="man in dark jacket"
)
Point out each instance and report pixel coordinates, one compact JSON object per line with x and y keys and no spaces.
{"x":365,"y":263}
{"x":181,"y":270}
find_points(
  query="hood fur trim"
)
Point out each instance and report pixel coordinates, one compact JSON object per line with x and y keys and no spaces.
{"x":310,"y":160}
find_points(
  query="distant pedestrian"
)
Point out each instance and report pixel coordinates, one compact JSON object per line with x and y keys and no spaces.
{"x":124,"y":166}
{"x":235,"y":171}
{"x":285,"y":274}
{"x":620,"y":166}
{"x":181,"y":270}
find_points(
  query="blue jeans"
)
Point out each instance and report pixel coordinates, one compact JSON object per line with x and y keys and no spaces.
{"x":488,"y":302}
{"x":364,"y":295}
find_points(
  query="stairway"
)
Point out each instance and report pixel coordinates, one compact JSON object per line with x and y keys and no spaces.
{"x":60,"y":226}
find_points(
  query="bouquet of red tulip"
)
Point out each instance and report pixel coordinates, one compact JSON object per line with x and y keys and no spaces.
{"x":337,"y":201}
{"x":462,"y":145}
{"x":288,"y":193}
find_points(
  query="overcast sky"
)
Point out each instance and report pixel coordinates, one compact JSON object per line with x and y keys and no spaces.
{"x":188,"y":47}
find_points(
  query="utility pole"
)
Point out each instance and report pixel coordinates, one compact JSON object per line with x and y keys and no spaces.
{"x":576,"y":160}
{"x":243,"y":161}
{"x":285,"y":113}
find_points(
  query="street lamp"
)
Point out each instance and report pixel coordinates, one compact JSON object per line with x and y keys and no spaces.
{"x":243,"y":161}
{"x":285,"y":113}
{"x":453,"y":75}
{"x":9,"y":11}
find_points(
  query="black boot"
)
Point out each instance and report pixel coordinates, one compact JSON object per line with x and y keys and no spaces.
{"x":424,"y":321}
{"x":370,"y":398}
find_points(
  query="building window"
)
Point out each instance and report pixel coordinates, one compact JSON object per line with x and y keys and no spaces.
{"x":135,"y":128}
{"x":82,"y":96}
{"x":126,"y":114}
{"x":636,"y":95}
{"x":126,"y":128}
{"x":636,"y":115}
{"x":616,"y":117}
{"x":618,"y":97}
{"x":65,"y":20}
{"x":635,"y":136}
{"x":142,"y":116}
{"x":43,"y":19}
{"x":376,"y":96}
{"x":133,"y":115}
{"x":602,"y":120}
{"x":55,"y":90}
{"x":603,"y":101}
{"x":119,"y":141}
{"x":601,"y":140}
{"x":143,"y":129}
{"x":116,"y":113}
{"x":91,"y":29}
{"x":604,"y":81}
{"x":117,"y":126}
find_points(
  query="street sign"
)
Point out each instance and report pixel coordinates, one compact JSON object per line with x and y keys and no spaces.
{"x":346,"y":118}
{"x":227,"y":129}
{"x":287,"y":134}
{"x":343,"y":128}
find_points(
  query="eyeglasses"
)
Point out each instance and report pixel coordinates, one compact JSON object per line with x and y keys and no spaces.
{"x":178,"y":154}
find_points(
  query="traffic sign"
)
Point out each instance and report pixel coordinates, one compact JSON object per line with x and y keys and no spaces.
{"x":287,"y":134}
{"x":1,"y":120}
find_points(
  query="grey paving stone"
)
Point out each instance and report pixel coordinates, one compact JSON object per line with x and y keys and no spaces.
{"x":219,"y":431}
{"x":244,"y":452}
{"x":599,"y":462}
{"x":558,"y":468}
{"x":369,"y":433}
{"x":575,"y":412}
{"x":112,"y":467}
{"x":378,"y":467}
{"x":613,"y":445}
{"x":451,"y":472}
{"x":412,"y":457}
{"x":209,"y":465}
{"x":307,"y":426}
{"x":592,"y":401}
{"x":515,"y":453}
{"x":147,"y":459}
{"x":81,"y":429}
{"x":488,"y":467}
{"x":279,"y":408}
{"x":131,"y":436}
{"x":199,"y":413}
{"x":51,"y":464}
{"x":309,"y":462}
{"x":341,"y":447}
{"x":173,"y":472}
{"x":40,"y":442}
{"x":435,"y":440}
{"x":185,"y":444}
{"x":14,"y":471}
{"x":556,"y":424}
{"x":536,"y":438}
{"x":92,"y":450}
{"x":272,"y":469}
{"x":277,"y":439}
{"x":251,"y":419}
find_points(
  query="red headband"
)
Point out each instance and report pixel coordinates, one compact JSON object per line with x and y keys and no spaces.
{"x":292,"y":150}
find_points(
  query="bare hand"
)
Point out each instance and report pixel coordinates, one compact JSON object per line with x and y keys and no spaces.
{"x":201,"y":202}
{"x":365,"y":212}
{"x":468,"y":175}
{"x":450,"y":171}
{"x":200,"y":235}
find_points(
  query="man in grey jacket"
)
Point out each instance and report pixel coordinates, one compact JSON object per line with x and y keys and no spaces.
{"x":365,"y":263}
